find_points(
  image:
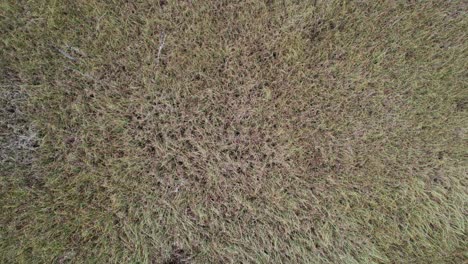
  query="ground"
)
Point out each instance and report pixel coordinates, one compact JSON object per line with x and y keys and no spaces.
{"x":233,"y":131}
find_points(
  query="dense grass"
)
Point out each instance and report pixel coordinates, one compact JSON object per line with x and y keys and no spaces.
{"x":226,"y":132}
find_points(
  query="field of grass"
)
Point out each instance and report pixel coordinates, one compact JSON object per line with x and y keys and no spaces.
{"x":233,"y":131}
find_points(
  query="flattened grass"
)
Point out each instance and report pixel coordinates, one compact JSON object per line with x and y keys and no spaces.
{"x":261,"y":131}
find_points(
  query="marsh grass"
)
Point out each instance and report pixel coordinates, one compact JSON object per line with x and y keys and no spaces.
{"x":222,"y":132}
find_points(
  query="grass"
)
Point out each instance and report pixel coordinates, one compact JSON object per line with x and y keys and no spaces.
{"x":225,"y":131}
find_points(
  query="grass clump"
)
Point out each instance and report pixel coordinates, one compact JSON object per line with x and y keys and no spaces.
{"x":218,"y":132}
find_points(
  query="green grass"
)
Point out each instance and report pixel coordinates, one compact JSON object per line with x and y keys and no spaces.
{"x":224,"y":132}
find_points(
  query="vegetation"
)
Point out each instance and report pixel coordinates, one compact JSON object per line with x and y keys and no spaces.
{"x":233,"y":131}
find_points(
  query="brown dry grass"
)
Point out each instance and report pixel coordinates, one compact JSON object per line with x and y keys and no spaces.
{"x":225,"y":131}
